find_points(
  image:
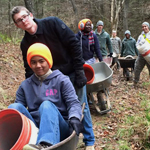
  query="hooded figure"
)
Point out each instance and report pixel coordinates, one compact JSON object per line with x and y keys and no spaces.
{"x":48,"y":99}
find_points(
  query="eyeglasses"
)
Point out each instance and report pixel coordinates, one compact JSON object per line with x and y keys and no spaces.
{"x":24,"y":18}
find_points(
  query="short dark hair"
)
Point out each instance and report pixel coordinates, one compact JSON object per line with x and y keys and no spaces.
{"x":17,"y":9}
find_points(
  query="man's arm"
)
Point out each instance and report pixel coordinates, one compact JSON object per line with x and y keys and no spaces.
{"x":120,"y":45}
{"x":20,"y":97}
{"x":28,"y":70}
{"x":109,"y":45}
{"x":73,"y":47}
{"x":71,"y":43}
{"x":136,"y":50}
{"x":71,"y":100}
{"x":122,"y":49}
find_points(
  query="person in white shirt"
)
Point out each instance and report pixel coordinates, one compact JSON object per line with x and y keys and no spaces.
{"x":140,"y":61}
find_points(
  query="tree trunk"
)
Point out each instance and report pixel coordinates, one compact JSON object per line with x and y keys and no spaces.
{"x":9,"y":6}
{"x":76,"y":13}
{"x":112,"y":13}
{"x":116,"y":6}
{"x":29,"y":6}
{"x":125,"y":15}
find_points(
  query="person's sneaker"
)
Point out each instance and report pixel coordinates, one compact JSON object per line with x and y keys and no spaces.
{"x":134,"y":84}
{"x":89,"y":148}
{"x":36,"y":147}
{"x":31,"y":147}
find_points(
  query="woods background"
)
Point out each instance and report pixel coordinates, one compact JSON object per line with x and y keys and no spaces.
{"x":127,"y":126}
{"x":116,"y":14}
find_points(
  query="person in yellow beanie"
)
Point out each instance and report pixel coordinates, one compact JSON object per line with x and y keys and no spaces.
{"x":48,"y":99}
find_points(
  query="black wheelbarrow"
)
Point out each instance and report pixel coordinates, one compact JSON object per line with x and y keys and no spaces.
{"x":99,"y":86}
{"x":127,"y":63}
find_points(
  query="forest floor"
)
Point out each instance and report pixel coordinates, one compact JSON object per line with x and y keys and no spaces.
{"x":125,"y":127}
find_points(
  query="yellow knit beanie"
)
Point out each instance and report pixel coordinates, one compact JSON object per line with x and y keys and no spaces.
{"x":39,"y":49}
{"x":82,"y":23}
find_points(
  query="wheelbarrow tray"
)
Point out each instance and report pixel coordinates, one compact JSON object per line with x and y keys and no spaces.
{"x":69,"y":143}
{"x":103,"y":77}
{"x":127,"y":63}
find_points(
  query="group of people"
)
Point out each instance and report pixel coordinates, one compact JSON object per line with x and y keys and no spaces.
{"x":55,"y":86}
{"x":128,"y":47}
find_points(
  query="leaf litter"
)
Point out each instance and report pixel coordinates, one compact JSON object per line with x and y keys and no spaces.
{"x":125,"y":127}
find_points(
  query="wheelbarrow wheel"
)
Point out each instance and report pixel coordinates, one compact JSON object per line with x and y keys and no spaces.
{"x":101,"y":101}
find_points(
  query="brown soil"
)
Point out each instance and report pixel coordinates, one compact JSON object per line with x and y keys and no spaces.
{"x":125,"y":101}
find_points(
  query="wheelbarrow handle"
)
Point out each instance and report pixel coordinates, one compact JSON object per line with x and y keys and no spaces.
{"x":83,"y":106}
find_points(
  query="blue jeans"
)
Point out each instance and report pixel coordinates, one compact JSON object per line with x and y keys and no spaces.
{"x":88,"y":133}
{"x":52,"y":128}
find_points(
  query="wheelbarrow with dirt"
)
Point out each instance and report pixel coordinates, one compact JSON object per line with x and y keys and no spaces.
{"x":97,"y":86}
{"x":127,"y":63}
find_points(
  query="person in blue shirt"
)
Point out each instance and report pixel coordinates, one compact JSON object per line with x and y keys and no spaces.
{"x":48,"y":99}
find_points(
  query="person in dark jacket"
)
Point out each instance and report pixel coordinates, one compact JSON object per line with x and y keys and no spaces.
{"x":89,"y":41}
{"x":66,"y":53}
{"x":128,"y":48}
{"x":52,"y":92}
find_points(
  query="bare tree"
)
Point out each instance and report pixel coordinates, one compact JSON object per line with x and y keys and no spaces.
{"x":75,"y":12}
{"x":29,"y":5}
{"x":125,"y":15}
{"x":9,"y":8}
{"x":116,"y":6}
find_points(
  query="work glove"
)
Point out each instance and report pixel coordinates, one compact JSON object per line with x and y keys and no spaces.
{"x":110,"y":55}
{"x":100,"y":60}
{"x":80,"y":78}
{"x":75,"y":124}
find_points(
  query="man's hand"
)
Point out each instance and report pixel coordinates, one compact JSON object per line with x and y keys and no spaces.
{"x":110,"y":55}
{"x":80,"y":78}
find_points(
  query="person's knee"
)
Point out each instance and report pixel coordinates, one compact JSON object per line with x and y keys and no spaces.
{"x":16,"y":106}
{"x":47,"y":105}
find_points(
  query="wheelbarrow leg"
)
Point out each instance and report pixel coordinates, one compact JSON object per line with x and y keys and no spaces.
{"x":91,"y":97}
{"x":107,"y":98}
{"x":101,"y":101}
{"x":104,"y":110}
